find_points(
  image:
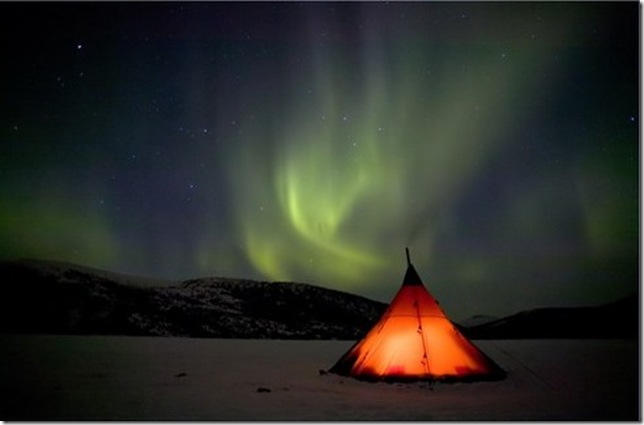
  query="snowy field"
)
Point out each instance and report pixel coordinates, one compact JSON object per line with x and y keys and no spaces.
{"x":148,"y":378}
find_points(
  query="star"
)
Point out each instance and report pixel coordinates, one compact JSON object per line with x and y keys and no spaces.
{"x":463,"y":133}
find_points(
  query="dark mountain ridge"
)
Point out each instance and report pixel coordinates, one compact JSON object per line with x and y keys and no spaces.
{"x":618,"y":319}
{"x":42,"y":297}
{"x":60,"y":298}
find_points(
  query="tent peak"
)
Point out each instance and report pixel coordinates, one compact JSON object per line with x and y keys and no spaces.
{"x":411,"y":276}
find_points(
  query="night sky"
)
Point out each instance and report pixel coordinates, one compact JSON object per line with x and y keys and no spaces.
{"x":312,"y":142}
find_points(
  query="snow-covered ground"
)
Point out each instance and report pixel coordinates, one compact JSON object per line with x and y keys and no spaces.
{"x":156,"y":378}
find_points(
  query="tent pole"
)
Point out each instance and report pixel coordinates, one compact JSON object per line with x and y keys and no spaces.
{"x":408,"y":260}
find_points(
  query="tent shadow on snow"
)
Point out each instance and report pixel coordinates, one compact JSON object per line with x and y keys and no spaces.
{"x":415,"y":341}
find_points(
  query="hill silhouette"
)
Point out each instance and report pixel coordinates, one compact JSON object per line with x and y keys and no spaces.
{"x":60,"y":298}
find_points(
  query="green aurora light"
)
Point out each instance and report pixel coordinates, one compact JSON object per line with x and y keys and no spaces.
{"x":312,"y":142}
{"x":373,"y":159}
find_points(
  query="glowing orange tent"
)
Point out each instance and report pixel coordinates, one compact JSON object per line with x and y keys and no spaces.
{"x":414,"y":340}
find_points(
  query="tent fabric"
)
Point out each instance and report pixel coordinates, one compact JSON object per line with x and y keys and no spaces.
{"x":414,"y":340}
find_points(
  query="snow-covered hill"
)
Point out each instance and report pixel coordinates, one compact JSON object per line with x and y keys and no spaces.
{"x":44,"y":297}
{"x":60,"y":298}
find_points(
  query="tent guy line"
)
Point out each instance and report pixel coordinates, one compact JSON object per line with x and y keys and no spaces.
{"x":523,"y":365}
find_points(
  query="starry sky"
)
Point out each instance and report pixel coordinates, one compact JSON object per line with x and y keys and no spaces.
{"x":313,"y":142}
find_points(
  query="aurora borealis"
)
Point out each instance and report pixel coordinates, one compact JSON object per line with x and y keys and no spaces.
{"x":312,"y":142}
